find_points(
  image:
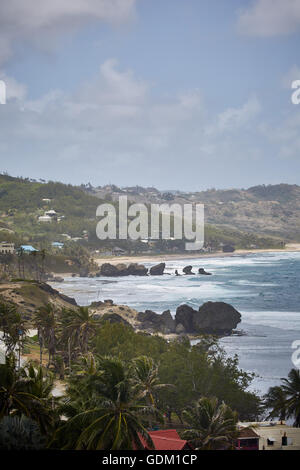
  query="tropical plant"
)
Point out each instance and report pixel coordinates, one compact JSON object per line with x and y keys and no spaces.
{"x":82,"y":326}
{"x":116,"y":420}
{"x":291,"y":389}
{"x":211,"y":425}
{"x":45,"y":322}
{"x":275,"y":402}
{"x":20,"y":433}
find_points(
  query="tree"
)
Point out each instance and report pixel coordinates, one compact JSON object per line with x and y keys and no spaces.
{"x":116,"y":420}
{"x":212,"y":425}
{"x":20,"y":433}
{"x":26,"y":392}
{"x":13,"y":328}
{"x":45,"y":322}
{"x":275,"y":400}
{"x":83,"y":326}
{"x":291,"y":388}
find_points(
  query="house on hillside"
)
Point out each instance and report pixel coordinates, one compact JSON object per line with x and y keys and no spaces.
{"x":27,"y":249}
{"x":7,"y":248}
{"x":45,"y":218}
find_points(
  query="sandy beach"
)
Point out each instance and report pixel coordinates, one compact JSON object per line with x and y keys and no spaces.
{"x":159,"y":258}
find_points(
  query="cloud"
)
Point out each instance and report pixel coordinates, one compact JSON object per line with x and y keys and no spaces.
{"x":270,"y":18}
{"x":42,"y":22}
{"x":233,"y":119}
{"x":114,"y":128}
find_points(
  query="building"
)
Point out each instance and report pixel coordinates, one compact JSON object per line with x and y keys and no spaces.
{"x":27,"y":248}
{"x":273,"y":435}
{"x":7,"y":248}
{"x":247,"y":439}
{"x":167,"y":439}
{"x":52,"y":213}
{"x":58,"y":245}
{"x":45,"y":218}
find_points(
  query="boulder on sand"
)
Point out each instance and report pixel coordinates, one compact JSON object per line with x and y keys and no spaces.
{"x":217,"y":318}
{"x":158,"y":269}
{"x":135,"y":269}
{"x":188,"y":270}
{"x":150,"y":320}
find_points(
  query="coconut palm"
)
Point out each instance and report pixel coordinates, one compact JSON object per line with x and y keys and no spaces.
{"x":21,"y":393}
{"x":146,"y":378}
{"x":83,"y":325}
{"x":211,"y":425}
{"x":45,"y":322}
{"x":291,"y":389}
{"x":115,"y":421}
{"x":275,"y":400}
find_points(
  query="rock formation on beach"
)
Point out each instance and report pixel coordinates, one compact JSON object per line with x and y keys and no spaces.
{"x":217,"y":318}
{"x":116,"y":270}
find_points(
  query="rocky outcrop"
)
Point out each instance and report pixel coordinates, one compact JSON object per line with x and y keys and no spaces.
{"x":217,"y":318}
{"x":158,"y":269}
{"x":188,"y":270}
{"x":117,"y":270}
{"x":202,"y":271}
{"x":152,"y":321}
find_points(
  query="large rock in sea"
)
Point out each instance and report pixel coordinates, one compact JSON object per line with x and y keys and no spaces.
{"x":188,"y":270}
{"x":136,"y":269}
{"x":158,"y":269}
{"x":152,"y":321}
{"x":111,"y":270}
{"x":217,"y":318}
{"x":202,"y":271}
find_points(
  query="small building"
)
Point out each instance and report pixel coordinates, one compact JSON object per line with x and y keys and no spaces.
{"x":273,"y":435}
{"x":57,"y":245}
{"x":51,"y":213}
{"x":46,"y":200}
{"x":7,"y":248}
{"x":28,"y":248}
{"x":45,"y":218}
{"x":247,"y":439}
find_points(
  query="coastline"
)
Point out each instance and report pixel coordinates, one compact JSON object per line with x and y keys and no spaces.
{"x":290,"y":247}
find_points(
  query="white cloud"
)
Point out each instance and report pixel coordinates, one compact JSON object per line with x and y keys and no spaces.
{"x":42,"y":21}
{"x":14,"y":89}
{"x":270,"y":18}
{"x":114,"y":129}
{"x":233,"y":119}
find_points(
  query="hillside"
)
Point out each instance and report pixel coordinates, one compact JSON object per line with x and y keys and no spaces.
{"x":268,"y":210}
{"x":238,"y":217}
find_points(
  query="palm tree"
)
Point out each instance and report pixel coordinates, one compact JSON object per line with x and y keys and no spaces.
{"x":83,"y":326}
{"x":146,"y":378}
{"x":20,"y":433}
{"x":20,"y":393}
{"x":45,"y":322}
{"x":115,"y":421}
{"x":291,"y":389}
{"x":275,"y":400}
{"x":211,"y":425}
{"x":13,"y":328}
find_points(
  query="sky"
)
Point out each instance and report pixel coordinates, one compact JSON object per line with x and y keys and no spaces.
{"x":176,"y":94}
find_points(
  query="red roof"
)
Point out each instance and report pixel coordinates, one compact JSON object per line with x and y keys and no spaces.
{"x":166,"y":439}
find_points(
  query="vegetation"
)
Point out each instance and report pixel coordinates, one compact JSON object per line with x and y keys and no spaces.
{"x":284,"y":401}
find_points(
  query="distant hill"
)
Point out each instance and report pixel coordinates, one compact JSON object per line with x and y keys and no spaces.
{"x":245,"y":218}
{"x":268,"y":210}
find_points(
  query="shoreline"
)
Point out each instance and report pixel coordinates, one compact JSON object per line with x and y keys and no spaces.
{"x":290,"y":248}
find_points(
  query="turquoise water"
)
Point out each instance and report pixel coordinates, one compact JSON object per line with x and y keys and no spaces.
{"x":263,"y":287}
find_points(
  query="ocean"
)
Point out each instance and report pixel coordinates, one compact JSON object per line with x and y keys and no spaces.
{"x":263,"y":287}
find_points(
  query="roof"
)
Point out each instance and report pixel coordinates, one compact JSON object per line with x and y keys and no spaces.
{"x":28,"y":248}
{"x":57,"y":244}
{"x":166,"y":439}
{"x":247,"y":433}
